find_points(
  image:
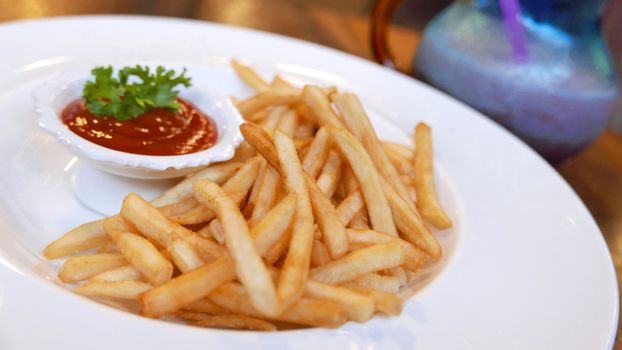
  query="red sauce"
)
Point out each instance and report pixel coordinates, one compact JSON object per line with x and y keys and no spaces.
{"x":158,"y":132}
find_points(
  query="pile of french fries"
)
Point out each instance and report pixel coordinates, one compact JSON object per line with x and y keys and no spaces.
{"x":314,"y":222}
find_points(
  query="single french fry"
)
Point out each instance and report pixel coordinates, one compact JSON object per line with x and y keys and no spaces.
{"x":317,"y":101}
{"x":217,"y":231}
{"x":249,"y":267}
{"x":317,"y":153}
{"x":267,"y":195}
{"x":254,"y":192}
{"x":144,"y":256}
{"x":411,"y":226}
{"x":319,"y":254}
{"x":82,"y":238}
{"x":236,"y":322}
{"x":358,"y":307}
{"x":368,"y":178}
{"x":259,"y":139}
{"x":278,"y":82}
{"x":386,"y":284}
{"x":296,"y":266}
{"x":351,"y":205}
{"x":79,"y":268}
{"x":320,"y":313}
{"x":185,"y":255}
{"x":399,"y":150}
{"x":427,"y":200}
{"x":249,"y":76}
{"x":187,"y":288}
{"x":267,"y":98}
{"x":358,"y":123}
{"x":333,"y":230}
{"x":216,"y":172}
{"x":413,"y":256}
{"x":129,"y":290}
{"x":123,"y":273}
{"x":274,"y":225}
{"x":204,"y":306}
{"x":358,"y":263}
{"x":331,"y":174}
{"x":288,"y":123}
{"x":390,"y":304}
{"x":150,"y":221}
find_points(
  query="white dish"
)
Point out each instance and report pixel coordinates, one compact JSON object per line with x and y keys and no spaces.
{"x":52,"y":97}
{"x":525,"y":268}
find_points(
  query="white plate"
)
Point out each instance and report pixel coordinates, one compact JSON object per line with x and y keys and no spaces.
{"x":530,"y":269}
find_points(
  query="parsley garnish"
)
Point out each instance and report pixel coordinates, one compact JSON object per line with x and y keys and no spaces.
{"x":125,"y":98}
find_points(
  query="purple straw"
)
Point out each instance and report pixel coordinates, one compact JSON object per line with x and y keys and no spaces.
{"x":513,"y":29}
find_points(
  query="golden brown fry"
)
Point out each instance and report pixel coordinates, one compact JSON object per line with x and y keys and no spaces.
{"x":386,"y":284}
{"x":427,"y":203}
{"x":317,"y":101}
{"x":358,"y":307}
{"x":296,"y":266}
{"x":320,"y":313}
{"x":262,"y":142}
{"x":187,"y":288}
{"x":274,"y":225}
{"x":331,"y":174}
{"x":123,"y":273}
{"x":348,"y":208}
{"x":278,"y":82}
{"x":249,"y":267}
{"x":333,"y":230}
{"x":144,"y":256}
{"x":288,"y":123}
{"x":413,"y":256}
{"x":410,"y":225}
{"x":371,"y":187}
{"x":358,"y":263}
{"x":129,"y":290}
{"x":79,"y":268}
{"x":268,"y":98}
{"x":404,"y":152}
{"x":82,"y":238}
{"x":204,"y":306}
{"x":236,"y":322}
{"x":185,"y":255}
{"x":267,"y":195}
{"x":317,"y":153}
{"x":249,"y":76}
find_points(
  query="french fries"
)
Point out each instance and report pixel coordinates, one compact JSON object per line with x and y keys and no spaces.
{"x":428,"y":203}
{"x":314,"y":222}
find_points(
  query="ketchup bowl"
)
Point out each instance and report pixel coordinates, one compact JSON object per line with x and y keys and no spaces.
{"x":52,"y":98}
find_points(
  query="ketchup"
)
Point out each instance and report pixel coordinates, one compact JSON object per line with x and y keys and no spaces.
{"x":158,"y":132}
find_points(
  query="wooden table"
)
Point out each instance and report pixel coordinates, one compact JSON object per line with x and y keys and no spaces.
{"x":595,"y":174}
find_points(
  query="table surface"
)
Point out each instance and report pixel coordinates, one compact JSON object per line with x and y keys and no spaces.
{"x":595,"y":174}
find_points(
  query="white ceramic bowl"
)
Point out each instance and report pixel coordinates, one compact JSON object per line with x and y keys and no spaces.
{"x":52,"y":97}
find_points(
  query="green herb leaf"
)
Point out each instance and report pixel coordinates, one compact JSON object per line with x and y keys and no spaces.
{"x":135,"y":91}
